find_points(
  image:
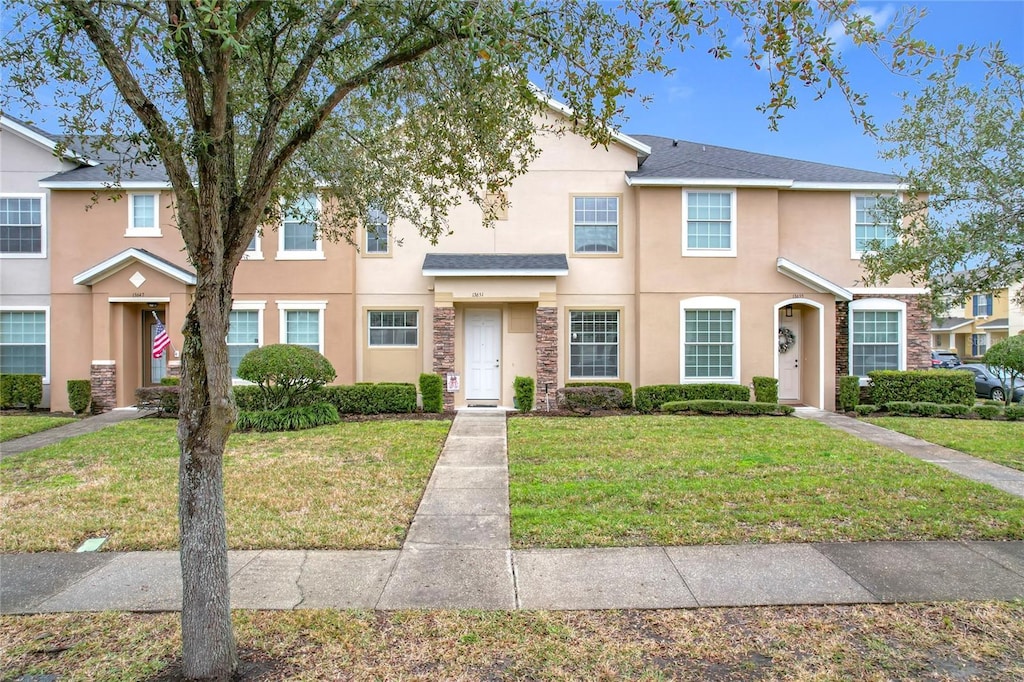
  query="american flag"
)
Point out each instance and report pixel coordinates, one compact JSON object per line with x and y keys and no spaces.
{"x":161,"y":340}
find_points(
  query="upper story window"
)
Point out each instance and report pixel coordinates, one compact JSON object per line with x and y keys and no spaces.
{"x":710,"y":223}
{"x":981,"y":304}
{"x":595,"y":225}
{"x":394,"y":328}
{"x":143,"y":215}
{"x":22,"y":227}
{"x":593,"y":344}
{"x":869,"y":224}
{"x":377,"y":232}
{"x":298,"y":234}
{"x":254,"y":250}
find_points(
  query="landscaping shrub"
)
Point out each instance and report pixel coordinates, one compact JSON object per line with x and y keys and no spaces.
{"x":926,"y":409}
{"x":741,"y":407}
{"x":248,"y":398}
{"x":1006,"y":358}
{"x":865,"y":409}
{"x":650,"y":398}
{"x":164,"y":398}
{"x":626,"y":403}
{"x":849,"y":393}
{"x":79,"y":395}
{"x":991,"y":402}
{"x":524,"y":390}
{"x":900,"y":408}
{"x":941,"y":386}
{"x":956,"y":410}
{"x":285,"y":373}
{"x":766,"y":390}
{"x":431,"y":387}
{"x":988,"y":411}
{"x":383,"y":398}
{"x":288,"y":418}
{"x":21,"y":389}
{"x":1014,"y":412}
{"x":170,"y":381}
{"x":585,"y":399}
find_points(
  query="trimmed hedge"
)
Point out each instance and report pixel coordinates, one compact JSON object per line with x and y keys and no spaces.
{"x":170,"y":381}
{"x":943,"y":386}
{"x":849,"y":393}
{"x":164,"y":398}
{"x":625,"y":403}
{"x":956,"y":410}
{"x":926,"y":409}
{"x":524,"y":389}
{"x":79,"y":395}
{"x":288,"y":418}
{"x":865,"y":409}
{"x":899,"y":408}
{"x":21,"y":389}
{"x":719,"y":407}
{"x":586,"y":399}
{"x":766,"y":390}
{"x":988,"y":411}
{"x":1014,"y":412}
{"x":431,"y":388}
{"x":650,"y":398}
{"x":384,"y":398}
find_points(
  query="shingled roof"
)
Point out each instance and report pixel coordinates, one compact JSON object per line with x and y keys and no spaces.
{"x":482,"y":264}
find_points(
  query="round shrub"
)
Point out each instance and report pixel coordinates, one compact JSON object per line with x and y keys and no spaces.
{"x":865,"y":409}
{"x":956,"y":410}
{"x":1014,"y":412}
{"x":285,"y":373}
{"x":926,"y":409}
{"x":79,"y":395}
{"x":988,"y":411}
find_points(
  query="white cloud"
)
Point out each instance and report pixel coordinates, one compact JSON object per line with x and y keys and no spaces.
{"x":880,"y":16}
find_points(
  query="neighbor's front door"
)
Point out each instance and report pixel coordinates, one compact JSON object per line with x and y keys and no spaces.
{"x":483,"y":354}
{"x":789,"y":361}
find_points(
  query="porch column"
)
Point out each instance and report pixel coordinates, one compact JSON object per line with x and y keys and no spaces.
{"x":444,"y":346}
{"x":103,"y":380}
{"x":547,"y":355}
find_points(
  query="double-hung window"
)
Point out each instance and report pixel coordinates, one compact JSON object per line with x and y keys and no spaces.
{"x":710,"y":339}
{"x":979,"y":344}
{"x":393,"y":328}
{"x":23,"y":336}
{"x":595,"y":225}
{"x":981,"y":304}
{"x":298,"y":235}
{"x":593,"y":344}
{"x":869,"y":225}
{"x":254,"y":250}
{"x":710,"y":223}
{"x":377,"y":232}
{"x":143,"y":215}
{"x":302,"y":323}
{"x":22,"y":228}
{"x":877,"y":336}
{"x":245,"y":331}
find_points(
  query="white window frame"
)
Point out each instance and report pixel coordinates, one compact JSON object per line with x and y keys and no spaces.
{"x":710,"y":303}
{"x":284,"y":307}
{"x":45,"y":309}
{"x":43,"y":228}
{"x":878,"y":304}
{"x":369,"y":226}
{"x":618,"y":225}
{"x":710,"y":253}
{"x":370,"y":328}
{"x":989,"y":300}
{"x":316,"y":253}
{"x":257,"y":252}
{"x":134,"y":231}
{"x":618,"y":344}
{"x":856,"y":253}
{"x":986,"y":341}
{"x":259,"y":307}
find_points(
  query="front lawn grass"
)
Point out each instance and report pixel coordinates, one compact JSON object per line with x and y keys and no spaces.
{"x":16,"y":426}
{"x":354,"y":485}
{"x":999,"y":442}
{"x":665,"y":480}
{"x":977,"y":641}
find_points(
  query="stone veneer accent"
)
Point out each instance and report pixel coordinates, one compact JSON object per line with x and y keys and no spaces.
{"x":103,"y":378}
{"x":547,"y":355}
{"x":174,"y":368}
{"x":444,"y":348}
{"x":842,"y":340}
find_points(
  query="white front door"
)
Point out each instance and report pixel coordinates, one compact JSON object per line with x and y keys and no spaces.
{"x":789,"y":360}
{"x":483,"y":354}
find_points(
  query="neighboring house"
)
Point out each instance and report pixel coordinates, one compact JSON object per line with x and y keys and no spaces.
{"x":27,"y":156}
{"x":984,"y":320}
{"x":652,"y":261}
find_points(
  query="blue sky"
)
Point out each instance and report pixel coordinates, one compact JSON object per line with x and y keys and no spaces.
{"x":715,"y":101}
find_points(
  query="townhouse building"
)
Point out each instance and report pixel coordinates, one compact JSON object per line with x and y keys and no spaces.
{"x":984,"y":320}
{"x":650,"y":261}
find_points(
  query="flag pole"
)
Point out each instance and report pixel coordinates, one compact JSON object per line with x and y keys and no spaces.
{"x":157,"y":318}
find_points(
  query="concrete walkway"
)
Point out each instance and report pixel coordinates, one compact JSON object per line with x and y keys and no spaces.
{"x":78,"y":428}
{"x":457,"y":556}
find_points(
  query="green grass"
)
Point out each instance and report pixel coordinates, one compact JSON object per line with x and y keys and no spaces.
{"x":660,"y":480}
{"x":353,"y":485}
{"x":16,"y":426}
{"x":999,"y":442}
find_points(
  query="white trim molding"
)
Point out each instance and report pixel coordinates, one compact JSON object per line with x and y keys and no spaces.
{"x":879,"y":304}
{"x":43,"y":140}
{"x":710,"y":303}
{"x":889,"y":291}
{"x":113,"y":264}
{"x":812,"y":280}
{"x":284,"y":307}
{"x":154,"y":230}
{"x":154,"y":185}
{"x":821,"y":341}
{"x":45,"y":309}
{"x":44,"y":227}
{"x":733,"y":222}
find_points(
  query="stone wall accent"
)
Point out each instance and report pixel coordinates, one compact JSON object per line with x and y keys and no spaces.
{"x":444,"y":348}
{"x":103,"y":378}
{"x":547,"y":356}
{"x":842,"y":340}
{"x":919,"y":342}
{"x":174,"y":368}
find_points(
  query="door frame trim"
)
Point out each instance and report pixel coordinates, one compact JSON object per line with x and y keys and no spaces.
{"x":821,"y":340}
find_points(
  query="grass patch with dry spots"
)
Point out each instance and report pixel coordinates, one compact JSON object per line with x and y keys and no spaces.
{"x":999,"y":442}
{"x":965,"y":641}
{"x":665,"y":480}
{"x":16,"y":426}
{"x":349,"y":486}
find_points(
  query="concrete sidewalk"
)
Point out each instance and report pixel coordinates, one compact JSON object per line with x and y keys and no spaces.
{"x":78,"y":428}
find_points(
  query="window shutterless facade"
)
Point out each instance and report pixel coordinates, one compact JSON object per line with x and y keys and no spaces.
{"x":593,"y":344}
{"x":869,"y":225}
{"x":595,"y":225}
{"x":708,"y":339}
{"x":298,"y":235}
{"x":710,"y":223}
{"x":22,"y":226}
{"x":377,"y":232}
{"x":23,"y":342}
{"x":302,"y":323}
{"x":874,"y":341}
{"x":243,"y":336}
{"x":393,"y":328}
{"x":143,"y":215}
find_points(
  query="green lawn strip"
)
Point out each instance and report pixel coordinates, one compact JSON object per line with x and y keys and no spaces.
{"x":978,"y":640}
{"x":349,"y":486}
{"x":663,"y":480}
{"x":999,"y":442}
{"x":16,"y":426}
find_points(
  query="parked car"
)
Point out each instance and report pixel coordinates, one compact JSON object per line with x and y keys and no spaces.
{"x":945,"y":359}
{"x":988,"y":385}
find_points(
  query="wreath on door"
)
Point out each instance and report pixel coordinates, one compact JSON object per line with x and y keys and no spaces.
{"x":786,"y":339}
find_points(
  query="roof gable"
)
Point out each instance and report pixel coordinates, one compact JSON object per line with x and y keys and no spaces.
{"x":101,"y":271}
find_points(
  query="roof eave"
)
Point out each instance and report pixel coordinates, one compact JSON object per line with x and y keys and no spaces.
{"x":812,"y":280}
{"x":495,"y":272}
{"x":50,"y":183}
{"x":116,"y":263}
{"x":44,"y":141}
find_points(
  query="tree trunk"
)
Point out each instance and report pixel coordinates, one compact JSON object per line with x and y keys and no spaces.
{"x":205,"y":421}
